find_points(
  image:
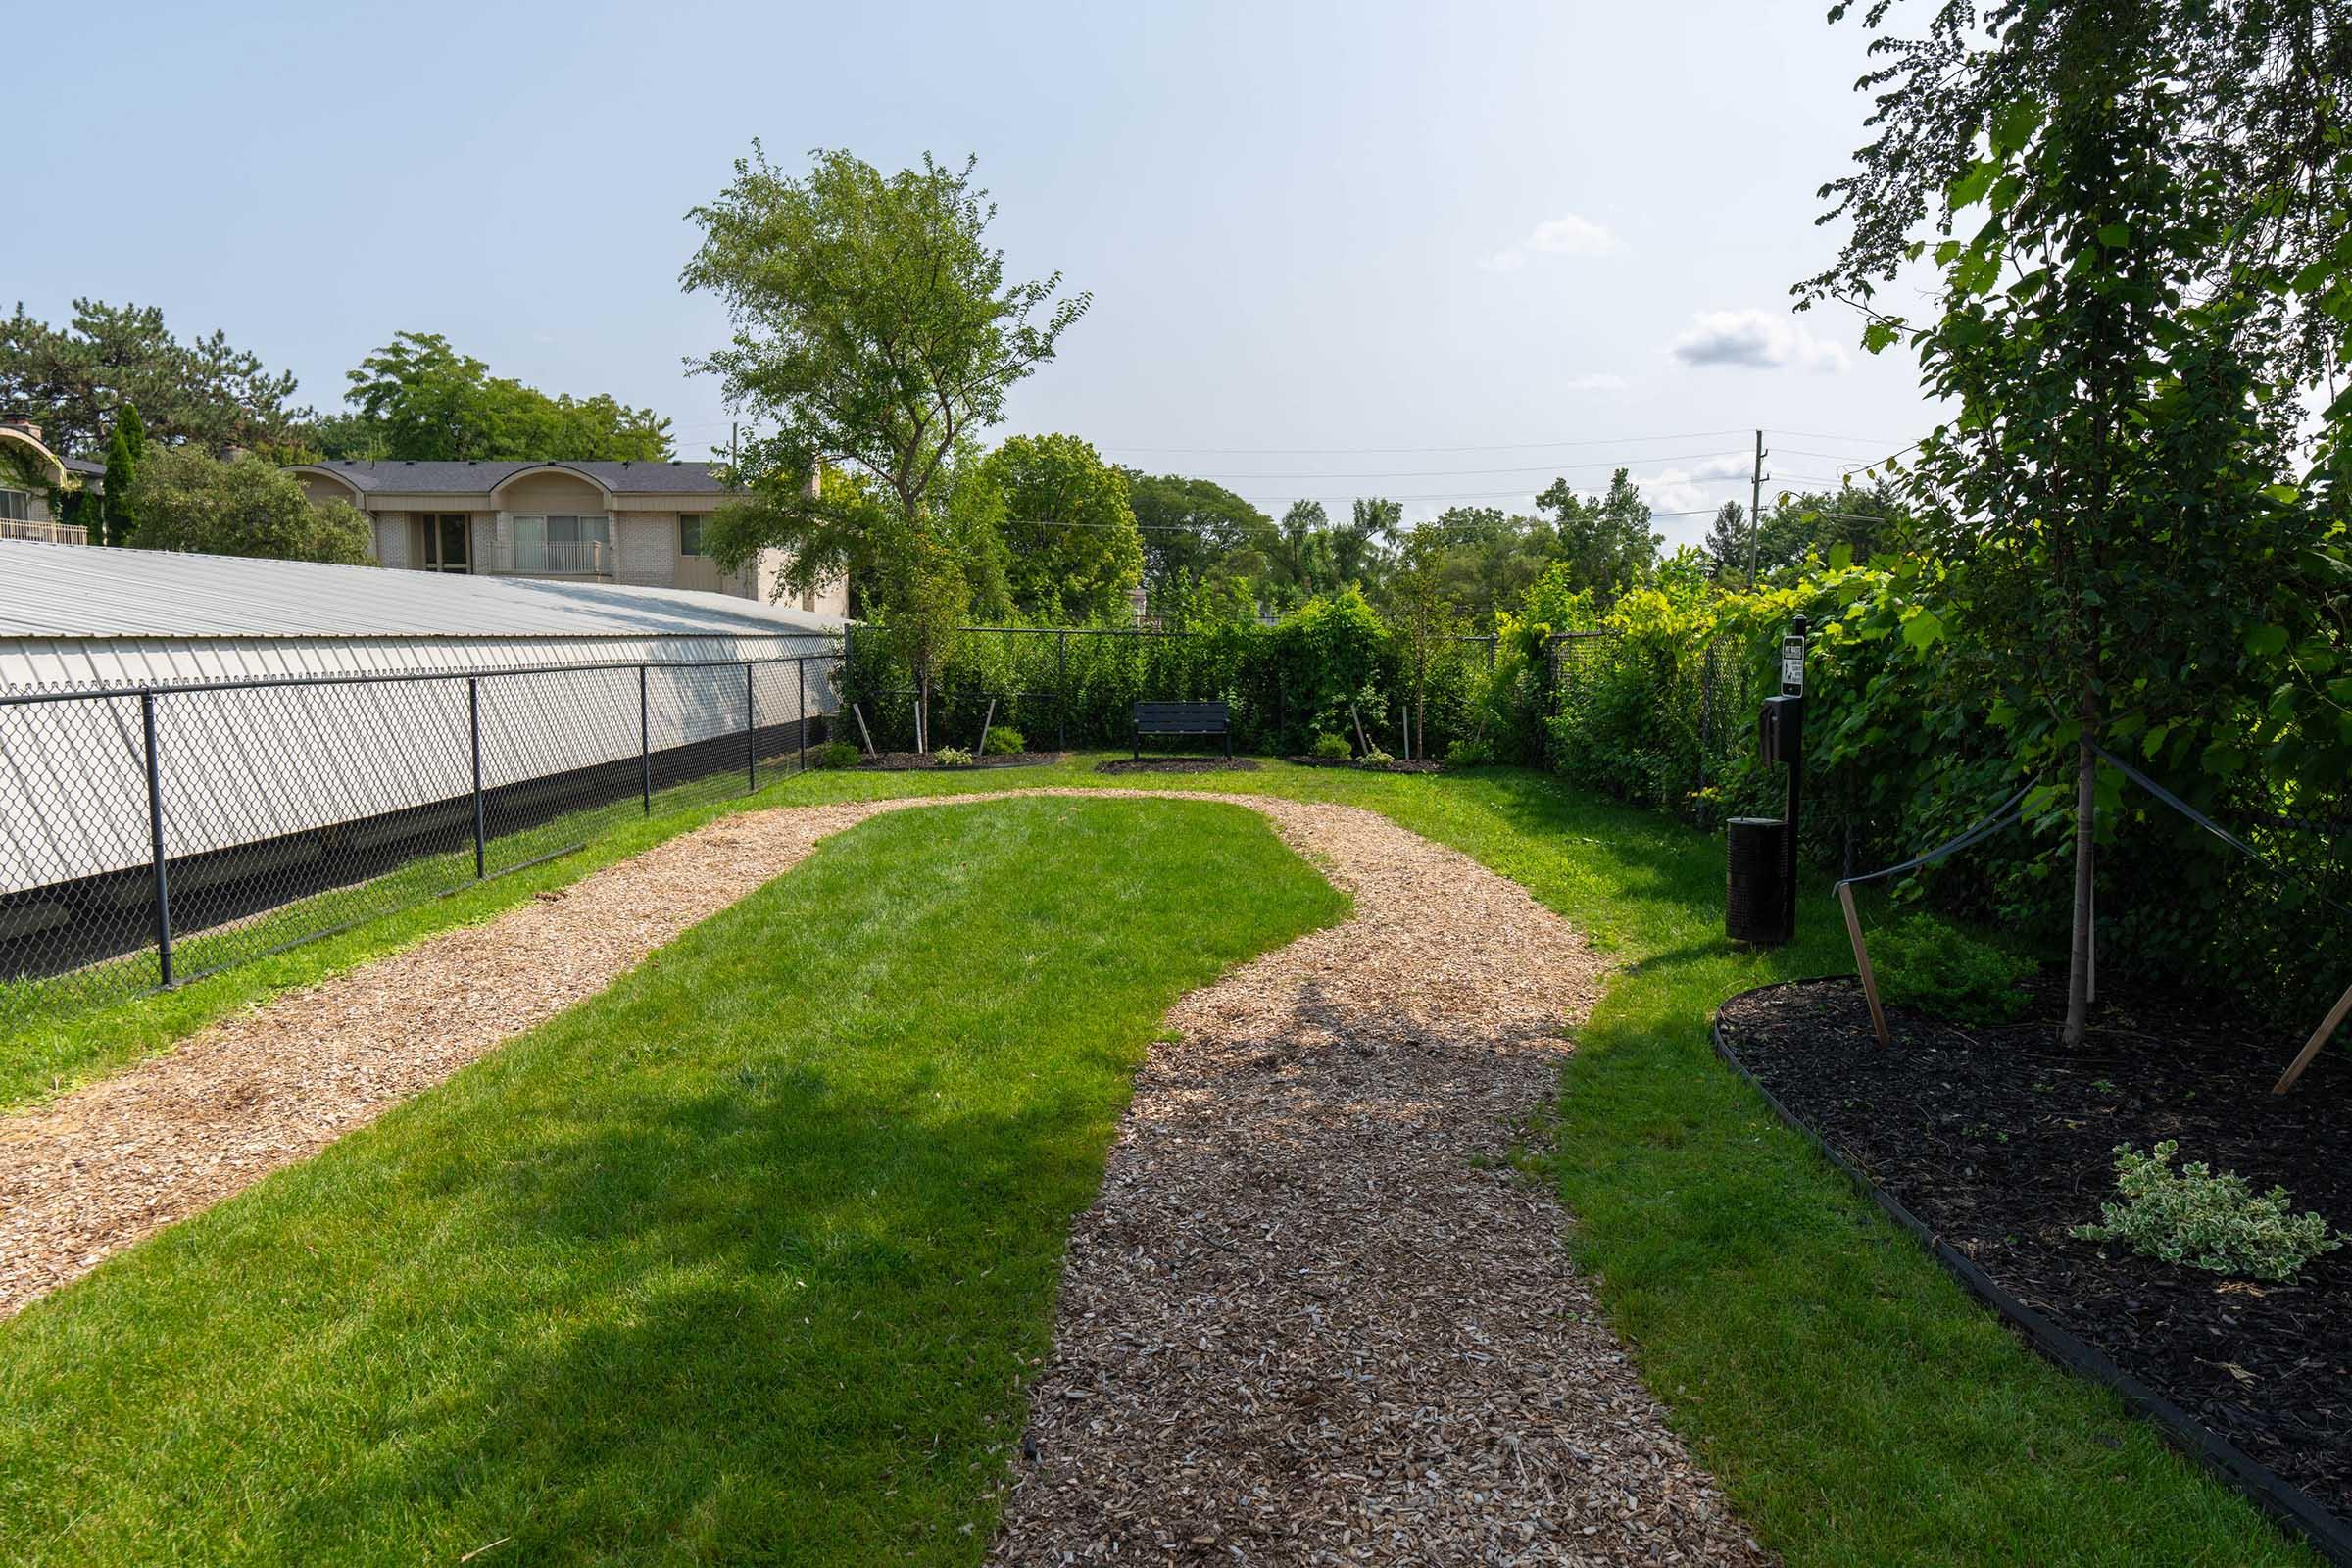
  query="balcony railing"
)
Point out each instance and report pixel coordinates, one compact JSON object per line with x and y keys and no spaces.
{"x":587,"y":557}
{"x":48,"y":533}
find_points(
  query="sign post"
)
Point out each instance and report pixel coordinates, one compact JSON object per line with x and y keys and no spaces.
{"x":1792,"y":686}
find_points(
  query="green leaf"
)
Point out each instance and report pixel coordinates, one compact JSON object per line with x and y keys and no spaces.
{"x":1970,"y":188}
{"x":2286,"y":495}
{"x":1842,"y":556}
{"x":1922,"y":629}
{"x":2264,"y":641}
{"x":1878,"y":334}
{"x":2115,"y":236}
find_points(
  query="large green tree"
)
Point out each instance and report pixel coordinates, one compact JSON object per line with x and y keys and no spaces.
{"x":1072,"y":549}
{"x":1605,"y":541}
{"x":188,"y":499}
{"x":70,"y":380}
{"x":2155,"y":275}
{"x":419,"y":398}
{"x":1198,"y":530}
{"x":873,"y":328}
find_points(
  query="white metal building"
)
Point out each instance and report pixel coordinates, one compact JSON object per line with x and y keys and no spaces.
{"x":252,"y":767}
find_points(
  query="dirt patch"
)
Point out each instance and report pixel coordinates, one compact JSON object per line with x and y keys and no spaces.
{"x":1394,"y":765}
{"x":926,"y":762}
{"x":2001,"y":1139}
{"x":1178,"y":764}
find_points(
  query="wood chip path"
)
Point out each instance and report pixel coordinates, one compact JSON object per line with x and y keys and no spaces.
{"x":1312,"y":1317}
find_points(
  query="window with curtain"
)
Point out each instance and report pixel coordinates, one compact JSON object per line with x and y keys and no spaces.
{"x":575,"y":542}
{"x":15,"y":506}
{"x":690,"y":533}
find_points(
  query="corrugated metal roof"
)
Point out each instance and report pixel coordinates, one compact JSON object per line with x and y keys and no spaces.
{"x":70,"y":591}
{"x":473,"y":478}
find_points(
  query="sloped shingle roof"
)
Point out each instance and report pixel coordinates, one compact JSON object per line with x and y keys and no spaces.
{"x":473,"y":478}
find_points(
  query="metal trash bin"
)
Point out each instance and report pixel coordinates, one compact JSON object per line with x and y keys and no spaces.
{"x":1755,"y":895}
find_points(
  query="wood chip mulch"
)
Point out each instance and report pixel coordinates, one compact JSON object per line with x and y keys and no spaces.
{"x":1313,"y":1316}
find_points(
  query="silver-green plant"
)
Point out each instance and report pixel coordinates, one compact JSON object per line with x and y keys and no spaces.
{"x":952,"y":756}
{"x":2194,"y":1217}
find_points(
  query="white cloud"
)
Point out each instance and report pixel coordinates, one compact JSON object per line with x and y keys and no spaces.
{"x":1756,"y":340}
{"x":1697,"y":487}
{"x":1594,"y":383}
{"x":1565,"y":235}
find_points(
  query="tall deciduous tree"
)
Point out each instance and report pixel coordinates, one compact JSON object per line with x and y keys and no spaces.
{"x":1072,"y":551}
{"x":1198,"y":530}
{"x":873,"y":327}
{"x":418,"y":398}
{"x":2157,"y":274}
{"x":1606,"y":540}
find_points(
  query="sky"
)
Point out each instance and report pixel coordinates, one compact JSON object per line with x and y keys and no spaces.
{"x":1439,"y":252}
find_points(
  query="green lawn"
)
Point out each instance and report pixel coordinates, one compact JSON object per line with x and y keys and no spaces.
{"x":1859,"y":1408}
{"x":742,"y":1261}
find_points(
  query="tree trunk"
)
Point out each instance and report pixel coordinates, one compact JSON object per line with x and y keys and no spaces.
{"x":2077,"y":963}
{"x":922,"y":714}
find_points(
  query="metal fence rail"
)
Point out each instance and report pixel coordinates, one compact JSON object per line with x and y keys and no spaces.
{"x":151,"y":835}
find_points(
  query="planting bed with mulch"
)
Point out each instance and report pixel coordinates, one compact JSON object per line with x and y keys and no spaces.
{"x":2001,"y":1140}
{"x":1178,"y":764}
{"x":1418,"y":765}
{"x":919,"y":761}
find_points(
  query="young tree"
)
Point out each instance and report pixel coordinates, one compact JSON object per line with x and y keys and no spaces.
{"x":1422,"y":619}
{"x":1729,"y":538}
{"x":873,"y":327}
{"x":2157,"y":278}
{"x":1072,"y":548}
{"x":187,"y":499}
{"x":116,"y":518}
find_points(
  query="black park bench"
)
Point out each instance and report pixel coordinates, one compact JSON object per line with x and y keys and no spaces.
{"x":1182,"y":719}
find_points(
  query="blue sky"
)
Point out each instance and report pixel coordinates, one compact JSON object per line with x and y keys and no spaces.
{"x":1317,"y":235}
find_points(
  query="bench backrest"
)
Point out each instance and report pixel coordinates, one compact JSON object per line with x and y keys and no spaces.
{"x":1182,"y":719}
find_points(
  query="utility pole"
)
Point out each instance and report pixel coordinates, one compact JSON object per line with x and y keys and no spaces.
{"x":1755,"y":511}
{"x":735,"y":455}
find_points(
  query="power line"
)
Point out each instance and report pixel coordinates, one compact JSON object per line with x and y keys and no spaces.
{"x":1325,"y":452}
{"x":1823,"y":435}
{"x":1525,"y":468}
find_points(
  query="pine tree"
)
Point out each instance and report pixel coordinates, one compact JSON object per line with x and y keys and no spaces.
{"x":126,"y":448}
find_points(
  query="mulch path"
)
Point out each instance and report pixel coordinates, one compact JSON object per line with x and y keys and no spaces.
{"x":2001,"y":1139}
{"x":1312,"y":1317}
{"x":1178,"y":764}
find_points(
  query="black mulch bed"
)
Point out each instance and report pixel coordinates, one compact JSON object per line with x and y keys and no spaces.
{"x":1418,"y":765}
{"x":918,"y":761}
{"x":2001,"y":1139}
{"x":1178,"y":764}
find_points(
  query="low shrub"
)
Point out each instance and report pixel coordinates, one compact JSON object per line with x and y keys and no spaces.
{"x":837,"y":754}
{"x":1921,"y":962}
{"x":1004,"y":741}
{"x":1375,"y":758}
{"x":2203,"y":1220}
{"x":952,"y":756}
{"x":1333,"y":746}
{"x":1468,"y":753}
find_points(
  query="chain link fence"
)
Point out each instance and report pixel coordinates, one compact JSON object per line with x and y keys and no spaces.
{"x":150,"y":836}
{"x":1078,"y":686}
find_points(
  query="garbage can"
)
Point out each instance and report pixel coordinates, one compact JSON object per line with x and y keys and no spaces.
{"x":1755,"y":898}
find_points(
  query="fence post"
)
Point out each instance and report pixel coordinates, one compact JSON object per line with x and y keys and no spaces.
{"x":645,"y":743}
{"x":1061,"y":691}
{"x":473,"y":722}
{"x":155,"y":842}
{"x":751,"y":735}
{"x":801,"y":729}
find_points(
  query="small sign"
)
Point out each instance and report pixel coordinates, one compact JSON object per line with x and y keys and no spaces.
{"x":1792,"y":667}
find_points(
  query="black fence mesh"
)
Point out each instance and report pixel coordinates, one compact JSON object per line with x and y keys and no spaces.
{"x":150,"y":837}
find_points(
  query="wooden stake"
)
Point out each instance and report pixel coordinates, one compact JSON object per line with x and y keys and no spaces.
{"x":989,"y":719}
{"x":1870,"y":981}
{"x":863,"y":731}
{"x":1361,"y":745}
{"x":2311,"y":1047}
